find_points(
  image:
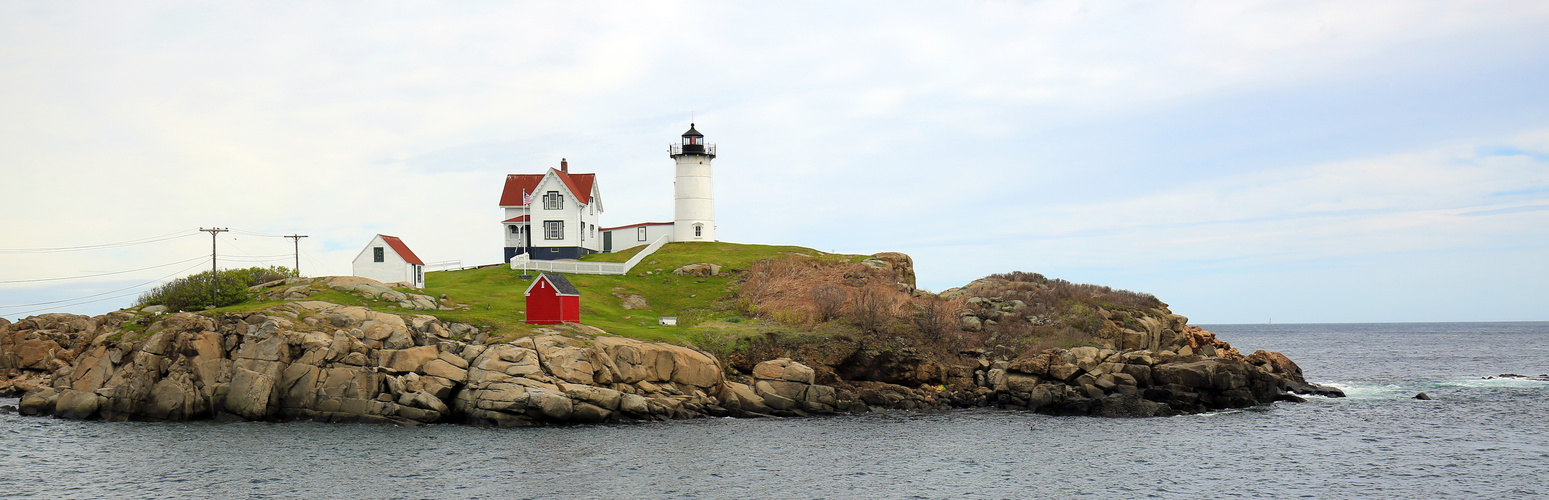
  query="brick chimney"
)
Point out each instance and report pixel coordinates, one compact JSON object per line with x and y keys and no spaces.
{"x":564,"y":166}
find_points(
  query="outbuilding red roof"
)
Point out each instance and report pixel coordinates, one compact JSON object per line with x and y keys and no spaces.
{"x":580,"y":186}
{"x":402,"y":249}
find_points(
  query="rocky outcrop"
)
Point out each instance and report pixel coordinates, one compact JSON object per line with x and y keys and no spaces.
{"x":314,"y":360}
{"x":1198,"y":373}
{"x":319,"y":361}
{"x":786,"y":386}
{"x":900,"y":265}
{"x":32,"y":349}
{"x":302,"y":288}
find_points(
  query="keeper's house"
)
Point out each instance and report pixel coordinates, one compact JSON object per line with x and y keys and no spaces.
{"x":551,"y":299}
{"x":552,"y":215}
{"x":388,"y":260}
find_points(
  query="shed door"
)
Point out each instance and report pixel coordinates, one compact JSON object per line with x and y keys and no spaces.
{"x":607,"y":242}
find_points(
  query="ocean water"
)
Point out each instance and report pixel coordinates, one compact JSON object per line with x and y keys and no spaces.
{"x":1479,"y":438}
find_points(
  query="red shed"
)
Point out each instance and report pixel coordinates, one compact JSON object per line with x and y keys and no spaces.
{"x":552,"y":299}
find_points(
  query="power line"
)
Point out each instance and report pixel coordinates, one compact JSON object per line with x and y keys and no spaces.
{"x":157,"y":280}
{"x":254,"y":233}
{"x":103,"y":274}
{"x":141,"y":241}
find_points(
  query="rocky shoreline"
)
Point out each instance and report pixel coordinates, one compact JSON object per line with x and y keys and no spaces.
{"x":319,"y":361}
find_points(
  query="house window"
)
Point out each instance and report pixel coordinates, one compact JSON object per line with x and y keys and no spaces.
{"x":514,"y":230}
{"x":377,"y":255}
{"x":699,"y":230}
{"x":553,"y":230}
{"x":553,"y":201}
{"x":583,"y":231}
{"x":640,"y":233}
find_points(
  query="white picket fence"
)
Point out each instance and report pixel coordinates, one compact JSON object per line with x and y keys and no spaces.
{"x":574,"y":267}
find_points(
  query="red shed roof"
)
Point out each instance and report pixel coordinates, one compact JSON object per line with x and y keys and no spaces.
{"x":580,"y":185}
{"x":402,"y":249}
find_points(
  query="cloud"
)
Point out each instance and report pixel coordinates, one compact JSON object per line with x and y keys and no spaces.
{"x":981,"y":137}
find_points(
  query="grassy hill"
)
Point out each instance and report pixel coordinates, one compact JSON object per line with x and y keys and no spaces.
{"x":493,"y":296}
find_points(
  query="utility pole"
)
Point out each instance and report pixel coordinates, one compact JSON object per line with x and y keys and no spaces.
{"x":214,"y":283}
{"x":297,"y":239}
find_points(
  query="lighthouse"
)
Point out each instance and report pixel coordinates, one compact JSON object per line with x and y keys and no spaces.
{"x":694,"y":207}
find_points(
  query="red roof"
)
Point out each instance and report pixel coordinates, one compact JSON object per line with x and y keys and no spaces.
{"x":640,"y":224}
{"x":522,"y":218}
{"x":580,"y":185}
{"x":402,"y":249}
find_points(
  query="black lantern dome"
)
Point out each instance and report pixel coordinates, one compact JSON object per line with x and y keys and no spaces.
{"x":693,"y":144}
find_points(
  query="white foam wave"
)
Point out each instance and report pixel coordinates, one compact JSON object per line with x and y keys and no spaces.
{"x":1359,"y":390}
{"x":1496,"y":382}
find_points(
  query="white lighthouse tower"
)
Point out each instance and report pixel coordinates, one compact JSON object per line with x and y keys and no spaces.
{"x":694,"y":208}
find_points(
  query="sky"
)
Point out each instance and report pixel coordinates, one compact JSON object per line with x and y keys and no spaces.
{"x":1246,"y":162}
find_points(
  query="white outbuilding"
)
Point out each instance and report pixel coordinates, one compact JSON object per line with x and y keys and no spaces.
{"x":388,"y":260}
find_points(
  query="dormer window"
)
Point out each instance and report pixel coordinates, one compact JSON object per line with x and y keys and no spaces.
{"x":553,"y":201}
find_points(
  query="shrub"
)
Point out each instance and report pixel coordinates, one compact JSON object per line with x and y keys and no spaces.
{"x":829,"y":301}
{"x":194,"y":292}
{"x":930,"y":317}
{"x":870,"y":309}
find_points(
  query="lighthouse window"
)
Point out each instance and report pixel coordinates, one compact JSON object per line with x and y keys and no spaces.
{"x":698,"y":230}
{"x":553,"y":230}
{"x":553,"y":201}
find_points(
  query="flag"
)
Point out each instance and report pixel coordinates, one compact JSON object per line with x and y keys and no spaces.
{"x":526,"y":198}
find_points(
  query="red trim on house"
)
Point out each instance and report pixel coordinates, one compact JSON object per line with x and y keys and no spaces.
{"x":401,"y":249}
{"x":522,"y":218}
{"x":637,"y":225}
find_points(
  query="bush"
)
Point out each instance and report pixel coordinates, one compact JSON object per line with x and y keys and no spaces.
{"x":930,"y":317}
{"x":193,"y":292}
{"x":870,"y":309}
{"x":829,"y":301}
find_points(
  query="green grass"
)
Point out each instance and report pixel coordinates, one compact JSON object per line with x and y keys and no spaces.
{"x":493,"y":297}
{"x":707,"y":317}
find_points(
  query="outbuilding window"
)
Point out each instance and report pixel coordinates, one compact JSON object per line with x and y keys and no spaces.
{"x":553,"y":230}
{"x":377,"y":255}
{"x":553,"y":201}
{"x":640,"y":233}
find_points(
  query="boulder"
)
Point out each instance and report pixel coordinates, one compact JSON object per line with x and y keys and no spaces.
{"x":38,"y":402}
{"x":633,"y":300}
{"x":440,"y":367}
{"x":784,"y":369}
{"x":76,"y":405}
{"x":249,"y":394}
{"x":412,"y":359}
{"x":699,"y":269}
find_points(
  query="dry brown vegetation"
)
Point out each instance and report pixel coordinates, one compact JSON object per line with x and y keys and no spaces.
{"x":1039,"y":313}
{"x":859,"y":306}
